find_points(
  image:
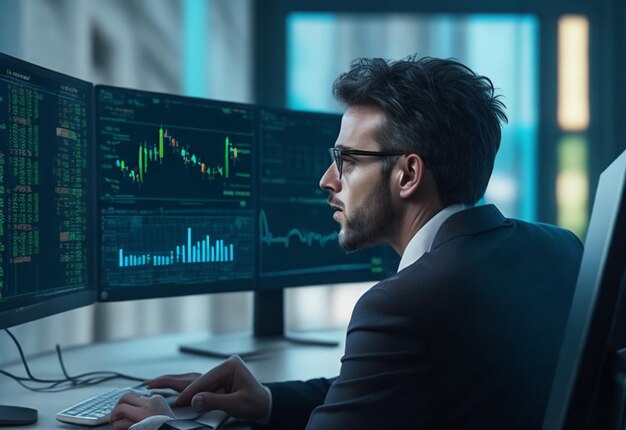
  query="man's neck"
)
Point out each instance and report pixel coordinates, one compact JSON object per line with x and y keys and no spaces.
{"x":423,"y":239}
{"x":409,"y":223}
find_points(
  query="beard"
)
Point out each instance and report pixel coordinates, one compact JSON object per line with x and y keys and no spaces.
{"x":370,"y":222}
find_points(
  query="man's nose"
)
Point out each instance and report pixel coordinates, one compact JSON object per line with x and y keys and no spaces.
{"x":330,"y":179}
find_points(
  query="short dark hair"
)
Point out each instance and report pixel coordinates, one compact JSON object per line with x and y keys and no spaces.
{"x":436,"y":108}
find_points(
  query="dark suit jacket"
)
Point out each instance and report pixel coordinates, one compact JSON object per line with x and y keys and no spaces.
{"x":467,"y":337}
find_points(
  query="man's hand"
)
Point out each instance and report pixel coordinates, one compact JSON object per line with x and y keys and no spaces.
{"x":175,"y":382}
{"x":132,"y":408}
{"x":230,"y":387}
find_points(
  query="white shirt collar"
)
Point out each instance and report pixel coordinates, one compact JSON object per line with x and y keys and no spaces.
{"x":423,"y":239}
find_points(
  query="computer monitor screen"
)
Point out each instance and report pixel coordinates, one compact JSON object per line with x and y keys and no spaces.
{"x":589,"y":387}
{"x":176,"y":194}
{"x":297,"y":234}
{"x":45,"y":207}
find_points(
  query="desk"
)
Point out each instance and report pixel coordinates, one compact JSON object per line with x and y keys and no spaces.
{"x":149,"y":357}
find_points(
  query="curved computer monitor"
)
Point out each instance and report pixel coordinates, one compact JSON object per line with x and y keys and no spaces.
{"x":297,"y":235}
{"x":46,"y":211}
{"x":589,"y":386}
{"x":175,"y":195}
{"x":46,"y":207}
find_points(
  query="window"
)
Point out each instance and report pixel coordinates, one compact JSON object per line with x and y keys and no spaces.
{"x":503,"y":47}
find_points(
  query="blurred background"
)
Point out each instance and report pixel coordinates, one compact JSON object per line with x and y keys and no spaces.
{"x":558,"y":64}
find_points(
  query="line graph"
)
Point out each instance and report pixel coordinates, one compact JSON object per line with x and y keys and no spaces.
{"x":298,"y":238}
{"x":304,"y":237}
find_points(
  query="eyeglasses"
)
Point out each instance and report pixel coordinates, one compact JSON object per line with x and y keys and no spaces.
{"x":336,"y":154}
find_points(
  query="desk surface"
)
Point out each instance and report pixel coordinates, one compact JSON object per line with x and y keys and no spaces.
{"x":149,"y":357}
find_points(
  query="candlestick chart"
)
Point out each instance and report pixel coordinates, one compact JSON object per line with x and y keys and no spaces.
{"x":152,"y":155}
{"x":159,"y":148}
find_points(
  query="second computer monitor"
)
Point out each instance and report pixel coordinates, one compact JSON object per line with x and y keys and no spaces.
{"x":176,"y":197}
{"x":297,"y":234}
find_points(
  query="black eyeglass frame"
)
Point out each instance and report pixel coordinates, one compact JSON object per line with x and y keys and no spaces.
{"x":336,"y":154}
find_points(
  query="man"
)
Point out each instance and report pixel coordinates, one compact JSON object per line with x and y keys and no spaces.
{"x":466,"y":335}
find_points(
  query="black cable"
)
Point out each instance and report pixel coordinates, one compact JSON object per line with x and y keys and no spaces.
{"x":60,"y":357}
{"x":22,"y":382}
{"x":115,"y":375}
{"x":21,"y":352}
{"x":57,"y":385}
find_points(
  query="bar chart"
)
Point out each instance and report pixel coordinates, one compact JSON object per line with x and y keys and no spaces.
{"x":171,"y":248}
{"x":192,"y":252}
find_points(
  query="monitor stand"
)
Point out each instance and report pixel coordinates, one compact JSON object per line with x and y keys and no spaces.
{"x":269,"y":333}
{"x":17,"y":416}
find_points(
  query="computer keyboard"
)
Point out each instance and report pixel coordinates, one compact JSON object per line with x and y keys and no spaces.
{"x":95,"y":410}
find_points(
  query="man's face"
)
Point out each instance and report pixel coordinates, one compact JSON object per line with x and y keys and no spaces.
{"x":361,"y":198}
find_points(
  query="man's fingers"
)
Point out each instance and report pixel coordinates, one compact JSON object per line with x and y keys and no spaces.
{"x":132,"y":408}
{"x":131,"y":399}
{"x":210,"y":381}
{"x":122,"y":424}
{"x":230,"y":387}
{"x":164,"y":382}
{"x":206,"y":401}
{"x":161,"y":382}
{"x":125,"y":411}
{"x":235,"y":404}
{"x":177,"y":382}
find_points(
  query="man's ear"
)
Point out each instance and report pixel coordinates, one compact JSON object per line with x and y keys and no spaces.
{"x":411,"y":174}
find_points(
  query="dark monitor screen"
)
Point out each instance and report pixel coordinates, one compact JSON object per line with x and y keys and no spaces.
{"x":297,"y":234}
{"x":589,"y":384}
{"x":176,"y":194}
{"x":45,"y":207}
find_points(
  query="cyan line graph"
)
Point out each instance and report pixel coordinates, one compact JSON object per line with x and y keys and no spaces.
{"x":305,"y":237}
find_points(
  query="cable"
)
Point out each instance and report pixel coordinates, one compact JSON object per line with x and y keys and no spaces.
{"x":21,"y":352}
{"x":69,"y":382}
{"x":60,"y":357}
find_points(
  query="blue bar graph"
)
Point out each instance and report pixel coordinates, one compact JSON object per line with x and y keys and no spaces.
{"x":201,"y":251}
{"x":189,"y":259}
